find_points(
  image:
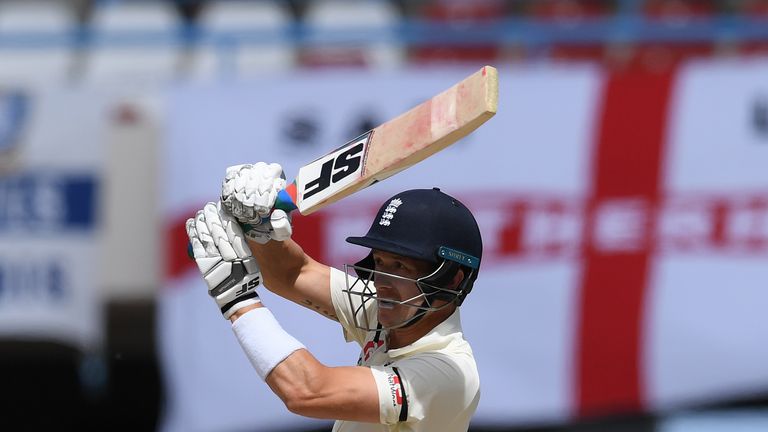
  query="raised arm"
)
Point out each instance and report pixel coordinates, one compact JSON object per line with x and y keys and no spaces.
{"x":306,"y":386}
{"x":311,"y":389}
{"x":249,"y":193}
{"x":292,"y":274}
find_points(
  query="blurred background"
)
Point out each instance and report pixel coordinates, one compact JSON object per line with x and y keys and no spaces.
{"x":622,"y":191}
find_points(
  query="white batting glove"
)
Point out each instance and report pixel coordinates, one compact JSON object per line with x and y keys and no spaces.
{"x":224,"y":259}
{"x":249,"y":192}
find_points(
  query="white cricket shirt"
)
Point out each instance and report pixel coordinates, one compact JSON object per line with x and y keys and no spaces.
{"x":430,"y":385}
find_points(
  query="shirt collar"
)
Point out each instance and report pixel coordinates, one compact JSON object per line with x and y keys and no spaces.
{"x":438,"y":338}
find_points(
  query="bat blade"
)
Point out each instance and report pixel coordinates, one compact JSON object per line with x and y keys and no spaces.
{"x":395,"y":145}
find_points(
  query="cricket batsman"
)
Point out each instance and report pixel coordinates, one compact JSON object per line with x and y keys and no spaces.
{"x":400,"y":303}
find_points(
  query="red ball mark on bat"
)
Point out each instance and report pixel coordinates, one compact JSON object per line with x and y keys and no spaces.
{"x":421,"y":128}
{"x":483,"y":70}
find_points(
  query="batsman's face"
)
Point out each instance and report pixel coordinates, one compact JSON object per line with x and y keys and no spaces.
{"x":391,"y":291}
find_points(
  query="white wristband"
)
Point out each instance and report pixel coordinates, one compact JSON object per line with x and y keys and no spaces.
{"x":263,"y":339}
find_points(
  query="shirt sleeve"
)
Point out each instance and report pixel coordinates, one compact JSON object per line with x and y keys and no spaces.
{"x":415,"y":387}
{"x":341,"y":304}
{"x":393,"y":399}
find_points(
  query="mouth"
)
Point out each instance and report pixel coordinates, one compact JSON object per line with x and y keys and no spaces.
{"x":386,"y":304}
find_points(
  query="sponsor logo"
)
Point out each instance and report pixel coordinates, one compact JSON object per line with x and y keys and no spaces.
{"x":394,"y":389}
{"x":459,"y":257}
{"x":336,"y":167}
{"x":389,"y":212}
{"x":35,"y":203}
{"x":33,"y":282}
{"x":250,"y":285}
{"x":302,"y":128}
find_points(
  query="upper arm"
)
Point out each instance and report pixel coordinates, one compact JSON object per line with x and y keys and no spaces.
{"x":311,"y":389}
{"x":290,"y":273}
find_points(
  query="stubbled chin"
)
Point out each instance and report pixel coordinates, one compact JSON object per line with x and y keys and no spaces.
{"x":387,"y":315}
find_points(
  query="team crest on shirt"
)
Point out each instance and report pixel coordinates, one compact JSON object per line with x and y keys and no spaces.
{"x":389,"y":212}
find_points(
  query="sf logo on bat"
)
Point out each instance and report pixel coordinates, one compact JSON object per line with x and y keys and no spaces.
{"x":335,"y":170}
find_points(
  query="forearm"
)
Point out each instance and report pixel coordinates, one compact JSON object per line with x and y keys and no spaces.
{"x":281,"y":263}
{"x":290,"y":273}
{"x":311,"y":389}
{"x":306,"y":386}
{"x":292,"y":379}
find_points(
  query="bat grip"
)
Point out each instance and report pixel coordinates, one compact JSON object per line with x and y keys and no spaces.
{"x":285,"y":201}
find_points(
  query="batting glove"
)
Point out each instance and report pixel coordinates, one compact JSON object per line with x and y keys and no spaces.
{"x":224,"y":259}
{"x":249,"y":193}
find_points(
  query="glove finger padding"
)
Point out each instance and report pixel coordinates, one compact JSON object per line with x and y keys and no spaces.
{"x":223,"y":258}
{"x":198,"y":251}
{"x":281,"y":225}
{"x":235,"y":235}
{"x":204,"y":235}
{"x":249,"y":191}
{"x":218,"y":233}
{"x":226,"y":232}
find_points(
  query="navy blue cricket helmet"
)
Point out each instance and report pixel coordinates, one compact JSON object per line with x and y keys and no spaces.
{"x":432,"y":226}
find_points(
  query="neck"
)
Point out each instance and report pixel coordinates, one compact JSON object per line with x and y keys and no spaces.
{"x":398,"y":338}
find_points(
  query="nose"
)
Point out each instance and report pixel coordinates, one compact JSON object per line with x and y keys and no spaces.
{"x":384,"y":290}
{"x":385,"y":279}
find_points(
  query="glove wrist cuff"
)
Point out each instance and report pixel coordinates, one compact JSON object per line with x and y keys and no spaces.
{"x":230,"y":308}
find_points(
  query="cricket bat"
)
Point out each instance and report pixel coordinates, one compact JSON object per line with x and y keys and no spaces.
{"x":395,"y":145}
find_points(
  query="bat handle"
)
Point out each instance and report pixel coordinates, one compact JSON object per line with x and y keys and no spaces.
{"x":286,"y":199}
